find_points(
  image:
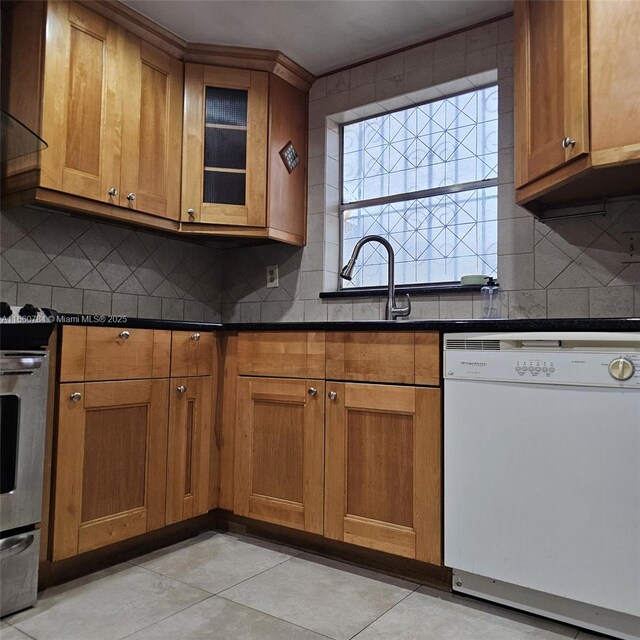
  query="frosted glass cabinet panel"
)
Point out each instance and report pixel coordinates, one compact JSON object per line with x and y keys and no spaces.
{"x":225,"y":146}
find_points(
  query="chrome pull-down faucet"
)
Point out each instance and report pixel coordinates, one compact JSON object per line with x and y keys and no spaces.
{"x":391,"y":311}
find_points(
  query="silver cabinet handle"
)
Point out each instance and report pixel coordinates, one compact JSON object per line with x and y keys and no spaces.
{"x":191,"y":213}
{"x":131,"y":197}
{"x":113,"y":192}
{"x":195,"y":336}
{"x":124,"y":335}
{"x":332,"y":395}
{"x":181,"y":389}
{"x":568,"y":142}
{"x":312,"y":391}
{"x":76,"y":396}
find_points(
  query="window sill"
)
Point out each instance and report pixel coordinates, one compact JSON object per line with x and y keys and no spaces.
{"x":412,"y":289}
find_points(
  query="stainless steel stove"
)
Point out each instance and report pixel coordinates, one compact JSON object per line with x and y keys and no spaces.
{"x":24,"y":366}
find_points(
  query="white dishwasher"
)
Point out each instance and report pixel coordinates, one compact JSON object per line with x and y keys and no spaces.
{"x":542,"y":474}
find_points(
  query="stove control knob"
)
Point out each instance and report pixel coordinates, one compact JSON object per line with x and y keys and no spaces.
{"x":5,"y":310}
{"x":621,"y":368}
{"x":28,"y":311}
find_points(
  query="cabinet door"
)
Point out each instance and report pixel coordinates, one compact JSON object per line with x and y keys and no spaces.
{"x":112,"y":437}
{"x":551,"y":85}
{"x":225,"y":146}
{"x":189,"y":448}
{"x":279,"y":467}
{"x":151,"y":130}
{"x":383,"y":477}
{"x":82,"y":101}
{"x":614,"y":81}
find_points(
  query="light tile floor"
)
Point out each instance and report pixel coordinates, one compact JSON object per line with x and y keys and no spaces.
{"x":221,"y":586}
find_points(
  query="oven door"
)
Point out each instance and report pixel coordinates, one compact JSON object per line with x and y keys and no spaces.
{"x":23,"y":400}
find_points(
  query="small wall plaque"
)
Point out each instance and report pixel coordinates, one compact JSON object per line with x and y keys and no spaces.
{"x":290,"y":156}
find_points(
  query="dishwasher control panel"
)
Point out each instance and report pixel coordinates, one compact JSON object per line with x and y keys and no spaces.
{"x":611,"y":368}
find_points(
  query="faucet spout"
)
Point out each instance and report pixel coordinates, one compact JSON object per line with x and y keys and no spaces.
{"x":391,"y":310}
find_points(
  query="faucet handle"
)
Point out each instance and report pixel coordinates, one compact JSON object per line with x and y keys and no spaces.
{"x":401,"y":312}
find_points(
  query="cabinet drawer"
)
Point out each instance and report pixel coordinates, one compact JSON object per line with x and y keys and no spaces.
{"x":400,"y":357}
{"x":283,"y":354}
{"x":112,"y":353}
{"x":192,"y":353}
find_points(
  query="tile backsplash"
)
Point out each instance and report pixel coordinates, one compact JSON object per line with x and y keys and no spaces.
{"x":77,"y":265}
{"x":569,"y":268}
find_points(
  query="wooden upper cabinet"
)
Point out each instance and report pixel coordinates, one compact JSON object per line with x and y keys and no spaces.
{"x":151,"y":130}
{"x":81,"y":120}
{"x":225,"y":145}
{"x":383,"y":468}
{"x":111,"y":113}
{"x":236,"y":123}
{"x":279,"y":452}
{"x":110,"y":482}
{"x":577,"y":87}
{"x":110,"y":96}
{"x":614,"y":81}
{"x":287,"y":192}
{"x":552,"y":125}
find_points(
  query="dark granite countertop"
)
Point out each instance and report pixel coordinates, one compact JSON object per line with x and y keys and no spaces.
{"x":123,"y":322}
{"x":444,"y":326}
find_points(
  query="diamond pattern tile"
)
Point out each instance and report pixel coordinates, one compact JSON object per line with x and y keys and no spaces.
{"x":26,"y":257}
{"x":95,"y":244}
{"x":73,"y":264}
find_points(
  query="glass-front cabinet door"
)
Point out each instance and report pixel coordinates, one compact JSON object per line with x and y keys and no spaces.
{"x":225,"y":146}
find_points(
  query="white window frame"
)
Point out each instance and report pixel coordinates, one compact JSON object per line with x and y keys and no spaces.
{"x":401,"y":197}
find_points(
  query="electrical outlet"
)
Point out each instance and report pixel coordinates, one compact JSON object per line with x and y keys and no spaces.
{"x":272,"y":276}
{"x":630,"y":241}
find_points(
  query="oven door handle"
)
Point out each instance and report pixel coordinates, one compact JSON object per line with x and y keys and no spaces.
{"x":20,"y":365}
{"x":17,"y":544}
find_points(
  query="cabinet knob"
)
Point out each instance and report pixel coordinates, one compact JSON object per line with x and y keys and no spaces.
{"x":191,"y":213}
{"x":124,"y":335}
{"x":312,"y":391}
{"x":568,"y":142}
{"x":195,"y":336}
{"x":332,"y":395}
{"x":76,"y":396}
{"x":113,"y":192}
{"x":181,"y":389}
{"x":131,"y":197}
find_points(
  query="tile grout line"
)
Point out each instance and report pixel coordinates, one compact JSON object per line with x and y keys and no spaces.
{"x":264,"y":613}
{"x":200,"y":588}
{"x":219,"y":594}
{"x":175,"y":613}
{"x":21,"y":631}
{"x":384,"y":613}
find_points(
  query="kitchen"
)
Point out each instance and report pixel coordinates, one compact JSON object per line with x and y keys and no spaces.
{"x":61,"y":250}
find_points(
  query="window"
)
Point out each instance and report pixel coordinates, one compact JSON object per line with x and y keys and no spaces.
{"x":424,"y":178}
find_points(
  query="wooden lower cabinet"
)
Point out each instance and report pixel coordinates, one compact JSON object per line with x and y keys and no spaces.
{"x":189,"y":448}
{"x":383,"y":468}
{"x":110,"y":480}
{"x":279,"y":456}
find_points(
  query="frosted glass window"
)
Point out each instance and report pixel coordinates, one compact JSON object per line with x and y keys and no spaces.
{"x":424,"y":178}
